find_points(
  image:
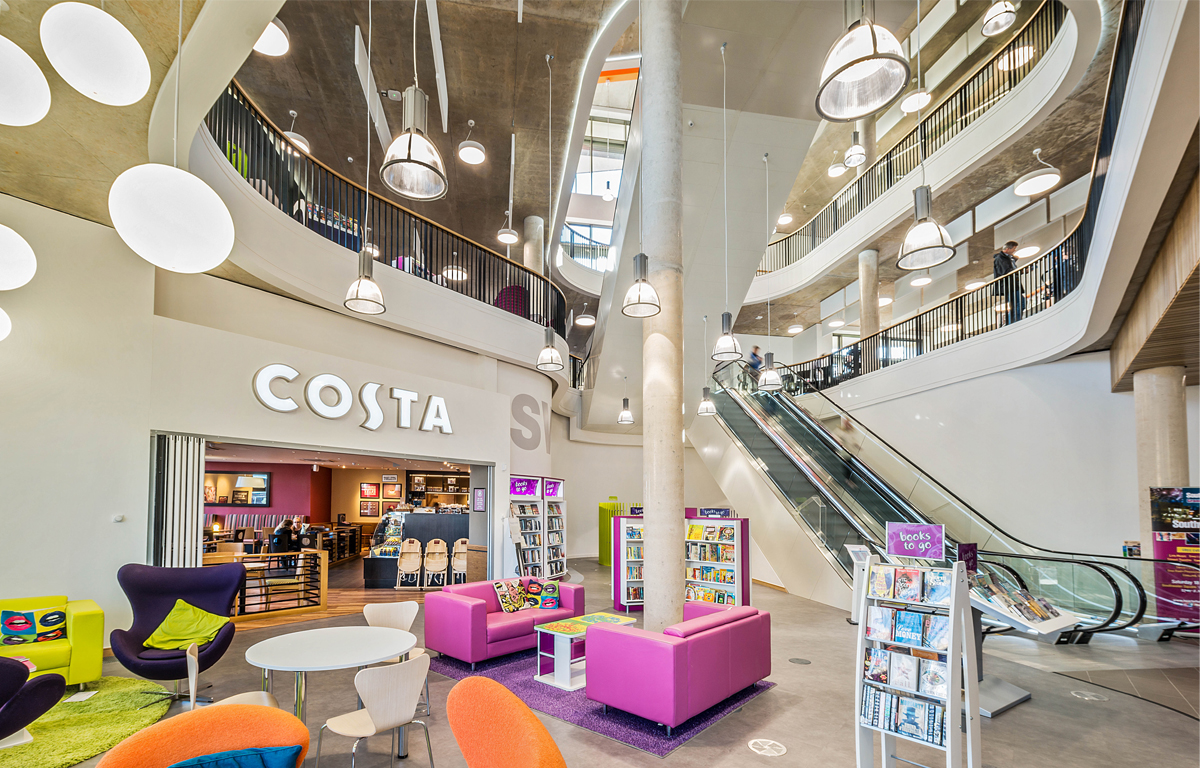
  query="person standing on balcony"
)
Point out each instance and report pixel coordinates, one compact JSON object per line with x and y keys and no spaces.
{"x":1005,"y":262}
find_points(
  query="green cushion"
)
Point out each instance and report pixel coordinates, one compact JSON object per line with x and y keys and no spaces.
{"x":52,"y":654}
{"x":184,"y":625}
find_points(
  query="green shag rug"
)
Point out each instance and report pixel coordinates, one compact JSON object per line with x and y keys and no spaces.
{"x":72,"y":732}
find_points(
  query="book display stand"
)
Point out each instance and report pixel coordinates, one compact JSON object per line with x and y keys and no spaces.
{"x":917,"y":664}
{"x":525,"y":507}
{"x":555,"y":554}
{"x":628,"y":552}
{"x":716,"y":563}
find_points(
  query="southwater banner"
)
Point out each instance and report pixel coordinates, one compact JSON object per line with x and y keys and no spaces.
{"x":1175,"y":522}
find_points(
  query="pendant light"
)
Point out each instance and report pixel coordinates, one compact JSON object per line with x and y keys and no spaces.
{"x":471,"y":152}
{"x":706,"y":407}
{"x":837,"y":167}
{"x":164,"y":214}
{"x":300,"y":142}
{"x":626,"y":415}
{"x":413,"y":167}
{"x":864,"y":71}
{"x":586,"y":319}
{"x":17,"y":261}
{"x":608,"y":195}
{"x":549,"y":360}
{"x":507,"y":234}
{"x":998,"y":18}
{"x":795,"y":328}
{"x":727,"y":347}
{"x":5,"y":325}
{"x":856,"y":155}
{"x":24,"y":91}
{"x":275,"y":40}
{"x":95,"y":54}
{"x":1039,"y":181}
{"x":784,"y":219}
{"x":641,"y":300}
{"x":916,"y":99}
{"x":768,"y":379}
{"x":921,"y":279}
{"x":364,"y":295}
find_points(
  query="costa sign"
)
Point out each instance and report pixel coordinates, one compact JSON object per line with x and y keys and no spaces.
{"x":435,"y":415}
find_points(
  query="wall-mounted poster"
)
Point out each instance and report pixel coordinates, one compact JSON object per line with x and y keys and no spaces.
{"x":222,"y":499}
{"x":210,"y":494}
{"x":388,"y":506}
{"x":368,"y":508}
{"x":393,"y":490}
{"x":716,"y":512}
{"x":479,"y":503}
{"x":368,"y":490}
{"x":523,"y":486}
{"x":1175,"y":525}
{"x":241,"y":497}
{"x":552,"y":489}
{"x":390,"y":478}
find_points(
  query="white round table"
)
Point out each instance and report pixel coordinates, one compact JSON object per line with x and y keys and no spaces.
{"x":319,"y":650}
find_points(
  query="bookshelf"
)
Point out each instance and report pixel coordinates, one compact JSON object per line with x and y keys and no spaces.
{"x":525,"y":507}
{"x":555,"y":546}
{"x":716,"y":562}
{"x":916,"y":663}
{"x":628,"y":552}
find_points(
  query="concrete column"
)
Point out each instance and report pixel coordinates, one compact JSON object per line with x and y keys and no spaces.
{"x":1160,"y":414}
{"x":868,"y":291}
{"x":535,"y":245}
{"x":662,"y":335}
{"x":866,"y":134}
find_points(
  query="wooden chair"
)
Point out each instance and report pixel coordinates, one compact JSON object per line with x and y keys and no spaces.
{"x":259,"y":698}
{"x":397,"y":616}
{"x":389,"y":696}
{"x":494,"y":729}
{"x":409,"y":563}
{"x":459,"y":561}
{"x":437,"y":560}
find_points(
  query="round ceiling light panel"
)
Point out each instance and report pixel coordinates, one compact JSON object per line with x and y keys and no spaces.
{"x":95,"y":54}
{"x":24,"y":92}
{"x":17,"y":262}
{"x":275,"y":40}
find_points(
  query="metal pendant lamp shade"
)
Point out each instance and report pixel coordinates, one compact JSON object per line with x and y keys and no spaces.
{"x":856,"y":155}
{"x":365,"y":296}
{"x":549,"y":360}
{"x":641,"y":300}
{"x":626,"y":415}
{"x":998,"y":18}
{"x":769,"y":380}
{"x":706,"y":407}
{"x":927,"y":243}
{"x":864,"y":72}
{"x":413,"y":168}
{"x":727,"y":347}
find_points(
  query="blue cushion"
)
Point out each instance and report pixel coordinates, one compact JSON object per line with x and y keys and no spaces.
{"x":259,"y":757}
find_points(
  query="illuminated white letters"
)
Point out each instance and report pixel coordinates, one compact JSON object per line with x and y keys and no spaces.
{"x":262,"y":386}
{"x":406,"y":398}
{"x":370,"y":404}
{"x":436,"y":416}
{"x":312,"y":396}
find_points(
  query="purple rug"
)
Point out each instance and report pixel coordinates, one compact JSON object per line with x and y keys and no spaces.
{"x":515,"y":672}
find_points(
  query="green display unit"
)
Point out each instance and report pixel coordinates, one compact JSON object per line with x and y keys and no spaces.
{"x":608,"y":510}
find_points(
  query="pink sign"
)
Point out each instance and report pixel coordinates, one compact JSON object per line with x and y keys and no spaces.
{"x":916,"y":540}
{"x":553,"y":489}
{"x":522,"y":486}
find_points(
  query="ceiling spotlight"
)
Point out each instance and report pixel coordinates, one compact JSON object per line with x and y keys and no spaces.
{"x":297,"y":139}
{"x":917,"y":99}
{"x":1039,"y":181}
{"x":454,"y":272}
{"x":24,"y":91}
{"x":727,"y":347}
{"x":856,"y":155}
{"x":706,"y":407}
{"x":507,"y":236}
{"x":549,"y":359}
{"x":5,"y":325}
{"x":471,"y":152}
{"x":365,"y":296}
{"x":585,"y":319}
{"x":885,"y":300}
{"x":769,"y":379}
{"x":927,"y":243}
{"x":784,"y":219}
{"x":95,"y":54}
{"x":608,"y":195}
{"x":998,"y":18}
{"x":863,"y":72}
{"x":975,"y":285}
{"x":1017,"y":57}
{"x":836,"y":168}
{"x":413,"y":168}
{"x":919,"y":281}
{"x":1027,"y":251}
{"x":836,"y":322}
{"x":794,"y":329}
{"x":17,"y":261}
{"x":641,"y":300}
{"x":275,"y":40}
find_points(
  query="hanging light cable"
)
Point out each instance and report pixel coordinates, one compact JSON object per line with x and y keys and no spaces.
{"x":864,"y":71}
{"x":413,"y":167}
{"x":641,"y":300}
{"x":549,"y":359}
{"x":769,"y":380}
{"x":507,"y":234}
{"x":927,"y":243}
{"x":626,"y":415}
{"x":706,"y":407}
{"x":364,"y":295}
{"x":727,"y":346}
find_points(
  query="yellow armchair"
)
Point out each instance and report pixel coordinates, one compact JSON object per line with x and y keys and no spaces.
{"x":79,"y":656}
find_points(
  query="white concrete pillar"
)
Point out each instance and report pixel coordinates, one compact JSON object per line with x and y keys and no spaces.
{"x":535,"y":244}
{"x":868,"y":291}
{"x":1160,"y":415}
{"x":662,"y":335}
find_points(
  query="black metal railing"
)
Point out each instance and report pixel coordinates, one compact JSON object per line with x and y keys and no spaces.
{"x":276,"y":582}
{"x":588,"y":252}
{"x":336,"y":209}
{"x":576,"y":372}
{"x":1010,"y":298}
{"x":994,"y":80}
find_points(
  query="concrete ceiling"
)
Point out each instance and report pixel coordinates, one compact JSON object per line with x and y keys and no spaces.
{"x":69,"y":159}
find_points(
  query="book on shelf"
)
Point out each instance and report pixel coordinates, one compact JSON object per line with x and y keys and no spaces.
{"x":937,"y":632}
{"x":695,"y":532}
{"x":633,"y":551}
{"x":903,"y":670}
{"x":634,"y":532}
{"x":880,"y":582}
{"x":634,"y":594}
{"x":633,"y":572}
{"x":879,"y":623}
{"x":937,"y":587}
{"x":887,"y":711}
{"x":908,"y":627}
{"x":726,"y":533}
{"x":907,"y":585}
{"x":875,"y":665}
{"x":710,"y":533}
{"x":910,"y":719}
{"x":935,"y":678}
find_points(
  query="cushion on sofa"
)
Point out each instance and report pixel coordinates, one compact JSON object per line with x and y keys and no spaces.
{"x":505,"y":626}
{"x":691,"y":627}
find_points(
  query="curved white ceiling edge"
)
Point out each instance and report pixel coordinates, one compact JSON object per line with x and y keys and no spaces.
{"x":1033,"y":99}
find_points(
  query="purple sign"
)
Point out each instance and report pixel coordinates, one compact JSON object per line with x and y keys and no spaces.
{"x":480,"y":504}
{"x":969,"y":555}
{"x":553,"y":489}
{"x":522,"y":486}
{"x":916,"y":540}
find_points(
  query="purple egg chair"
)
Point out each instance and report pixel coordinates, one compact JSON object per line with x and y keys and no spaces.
{"x":23,"y":700}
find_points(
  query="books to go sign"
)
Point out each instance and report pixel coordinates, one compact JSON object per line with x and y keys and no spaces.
{"x":927,"y":542}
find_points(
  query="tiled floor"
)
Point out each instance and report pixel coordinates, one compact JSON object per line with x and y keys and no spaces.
{"x":1176,"y":688}
{"x":810,"y":711}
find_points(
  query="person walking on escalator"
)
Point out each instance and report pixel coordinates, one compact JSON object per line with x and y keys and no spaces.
{"x":756,"y":363}
{"x":1004,"y":262}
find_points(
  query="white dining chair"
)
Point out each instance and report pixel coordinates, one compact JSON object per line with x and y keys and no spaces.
{"x":389,"y":696}
{"x":397,"y":616}
{"x":260,"y":698}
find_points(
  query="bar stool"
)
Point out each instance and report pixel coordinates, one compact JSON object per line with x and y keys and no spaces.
{"x":437,"y":560}
{"x":458,"y":563}
{"x":409,"y":563}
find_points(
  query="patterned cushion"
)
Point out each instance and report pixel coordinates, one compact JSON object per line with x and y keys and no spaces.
{"x":510,"y":593}
{"x":37,"y":626}
{"x":549,"y":598}
{"x":533,"y":593}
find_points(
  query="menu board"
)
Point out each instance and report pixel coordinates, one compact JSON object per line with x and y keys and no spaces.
{"x":553,"y":489}
{"x":523,"y":486}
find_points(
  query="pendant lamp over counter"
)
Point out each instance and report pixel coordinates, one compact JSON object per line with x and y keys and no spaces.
{"x":641,"y":300}
{"x":864,"y":71}
{"x":927,"y":243}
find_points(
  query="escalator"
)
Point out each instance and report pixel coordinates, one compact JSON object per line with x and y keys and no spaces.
{"x":844,"y":484}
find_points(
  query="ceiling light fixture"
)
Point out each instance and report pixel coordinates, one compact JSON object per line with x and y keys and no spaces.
{"x":608,"y":195}
{"x":275,"y":40}
{"x":856,"y":155}
{"x":24,"y":91}
{"x":95,"y":54}
{"x":641,"y":300}
{"x":948,"y":327}
{"x":706,"y":407}
{"x":454,"y":272}
{"x":784,"y":219}
{"x":1015,"y":58}
{"x":507,"y":234}
{"x":864,"y":71}
{"x":927,"y":243}
{"x":915,"y":100}
{"x":626,"y":415}
{"x":975,"y":285}
{"x":1027,"y":251}
{"x":921,"y":280}
{"x":836,"y":168}
{"x":769,"y":379}
{"x":1039,"y":181}
{"x":413,"y":167}
{"x":885,"y":300}
{"x":998,"y":18}
{"x":364,"y":295}
{"x":5,"y":325}
{"x":794,"y":329}
{"x":164,"y":214}
{"x":727,"y":347}
{"x":471,"y":152}
{"x":836,"y":322}
{"x":549,"y":360}
{"x":297,"y":139}
{"x":17,"y":260}
{"x":586,"y":319}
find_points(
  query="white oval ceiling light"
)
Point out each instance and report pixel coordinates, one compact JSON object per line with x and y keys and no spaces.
{"x":471,"y":152}
{"x":784,"y":219}
{"x":1039,"y":181}
{"x":455,"y":273}
{"x":5,"y":325}
{"x":998,"y":18}
{"x":300,"y":142}
{"x":920,"y":281}
{"x":836,"y":168}
{"x":1017,"y":57}
{"x":507,"y":236}
{"x":836,"y":322}
{"x":275,"y":40}
{"x":24,"y":92}
{"x":975,"y":285}
{"x":585,"y":319}
{"x":17,"y":261}
{"x":915,"y":101}
{"x":885,"y":300}
{"x":864,"y":71}
{"x":927,"y":243}
{"x":95,"y":54}
{"x":170,"y":218}
{"x":794,"y":329}
{"x":1027,"y":251}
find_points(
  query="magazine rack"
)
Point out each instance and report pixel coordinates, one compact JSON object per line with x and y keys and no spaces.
{"x":923,"y":700}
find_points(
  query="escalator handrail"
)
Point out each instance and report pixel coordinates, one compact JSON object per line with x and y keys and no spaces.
{"x":1118,"y":597}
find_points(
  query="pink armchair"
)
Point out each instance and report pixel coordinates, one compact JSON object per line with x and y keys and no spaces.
{"x":465,"y":621}
{"x":670,"y":677}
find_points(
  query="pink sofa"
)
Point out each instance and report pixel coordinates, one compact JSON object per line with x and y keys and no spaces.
{"x":670,"y":677}
{"x":465,"y":622}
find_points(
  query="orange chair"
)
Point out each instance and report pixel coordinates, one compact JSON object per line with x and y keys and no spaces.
{"x":205,"y":732}
{"x":494,"y":729}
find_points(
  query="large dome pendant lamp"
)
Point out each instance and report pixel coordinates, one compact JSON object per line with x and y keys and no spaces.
{"x":365,"y":296}
{"x":927,"y":243}
{"x":413,"y":167}
{"x":998,"y":18}
{"x":1039,"y":181}
{"x":864,"y":71}
{"x":549,"y":360}
{"x":95,"y":54}
{"x":727,"y":347}
{"x":769,"y":379}
{"x":166,"y":215}
{"x":641,"y":300}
